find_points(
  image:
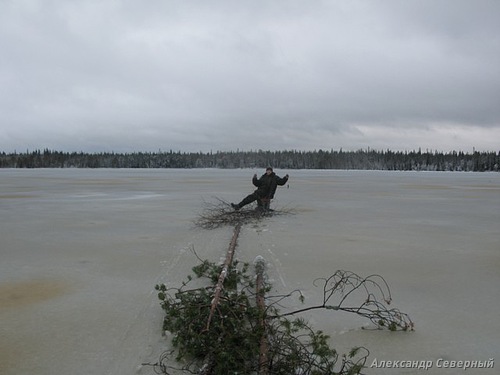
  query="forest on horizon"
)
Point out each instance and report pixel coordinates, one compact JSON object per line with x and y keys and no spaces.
{"x":318,"y":159}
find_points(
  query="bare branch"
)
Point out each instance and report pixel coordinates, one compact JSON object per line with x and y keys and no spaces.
{"x":220,"y":213}
{"x":372,"y":293}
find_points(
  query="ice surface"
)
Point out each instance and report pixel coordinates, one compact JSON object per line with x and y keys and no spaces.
{"x":81,"y":251}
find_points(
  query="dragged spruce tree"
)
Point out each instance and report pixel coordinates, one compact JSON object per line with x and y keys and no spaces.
{"x":223,"y":319}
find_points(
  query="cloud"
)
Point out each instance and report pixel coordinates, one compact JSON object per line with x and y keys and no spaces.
{"x":124,"y":76}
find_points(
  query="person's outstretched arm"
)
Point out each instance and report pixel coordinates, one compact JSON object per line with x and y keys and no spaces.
{"x":282,"y":181}
{"x":256,"y":181}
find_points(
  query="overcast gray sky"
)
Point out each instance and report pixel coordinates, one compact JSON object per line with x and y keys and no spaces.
{"x":130,"y":75}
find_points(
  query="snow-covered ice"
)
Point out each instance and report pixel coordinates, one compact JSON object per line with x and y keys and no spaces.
{"x":81,"y":251}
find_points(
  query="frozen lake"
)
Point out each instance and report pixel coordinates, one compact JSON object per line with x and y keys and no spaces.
{"x":81,"y":251}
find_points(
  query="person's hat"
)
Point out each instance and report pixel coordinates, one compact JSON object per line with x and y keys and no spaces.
{"x":269,"y":169}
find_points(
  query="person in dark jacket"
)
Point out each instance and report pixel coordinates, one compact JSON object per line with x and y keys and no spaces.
{"x":266,"y":187}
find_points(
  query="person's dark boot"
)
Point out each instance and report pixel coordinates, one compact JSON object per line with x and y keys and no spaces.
{"x":235,"y":206}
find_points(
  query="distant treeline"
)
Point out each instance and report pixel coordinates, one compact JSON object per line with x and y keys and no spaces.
{"x":320,"y":159}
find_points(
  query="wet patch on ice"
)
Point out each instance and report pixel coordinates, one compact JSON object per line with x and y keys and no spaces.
{"x":427,"y":187}
{"x":12,"y":354}
{"x":116,"y":197}
{"x":26,"y":293}
{"x":18,"y":196}
{"x":101,"y":182}
{"x":449,"y":187}
{"x":194,"y":180}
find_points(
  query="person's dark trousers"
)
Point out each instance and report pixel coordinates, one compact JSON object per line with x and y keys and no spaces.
{"x":248,"y":199}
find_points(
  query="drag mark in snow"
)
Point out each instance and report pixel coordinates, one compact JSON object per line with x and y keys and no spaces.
{"x":172,"y":264}
{"x":279,"y":266}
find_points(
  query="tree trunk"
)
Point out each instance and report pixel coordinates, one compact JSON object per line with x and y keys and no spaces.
{"x":222,"y":276}
{"x":261,"y":304}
